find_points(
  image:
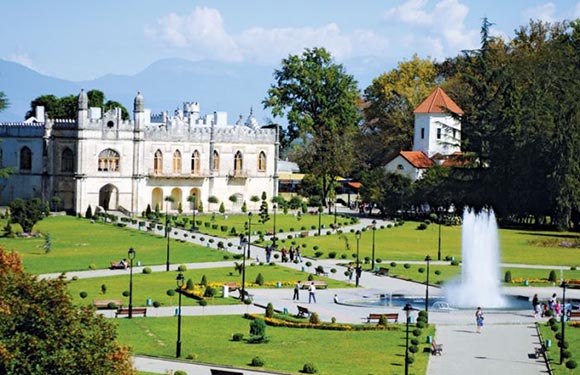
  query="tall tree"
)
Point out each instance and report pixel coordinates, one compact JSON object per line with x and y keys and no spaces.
{"x":42,"y":332}
{"x":67,"y":106}
{"x":26,"y":213}
{"x":320,"y":102}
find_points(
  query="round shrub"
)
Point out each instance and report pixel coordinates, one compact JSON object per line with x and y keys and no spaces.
{"x":417,"y":332}
{"x":318,"y":254}
{"x":552,"y":276}
{"x":379,"y":260}
{"x":180,"y":372}
{"x":276,"y":256}
{"x":563,"y":344}
{"x":269,"y":310}
{"x":83,"y":294}
{"x":393,"y":264}
{"x":237,"y":336}
{"x":156,"y":304}
{"x":566,"y":354}
{"x":191,"y":356}
{"x":558,"y":336}
{"x":420,"y":324}
{"x":413,"y":349}
{"x":147,"y":270}
{"x":410,"y":359}
{"x":333,"y":270}
{"x":309,"y":368}
{"x":343,"y":256}
{"x":203,"y":303}
{"x":74,"y":278}
{"x":92,"y":266}
{"x":315,"y":247}
{"x":332,"y":254}
{"x":182,"y":268}
{"x":454,"y":262}
{"x":421,"y":270}
{"x":554,"y":327}
{"x":257,"y":362}
{"x":247,"y":301}
{"x":571,"y":364}
{"x":314,"y":319}
{"x":125,"y":293}
{"x":422,"y":226}
{"x":437,"y":272}
{"x":308,"y":264}
{"x":226,"y":257}
{"x":170,"y":292}
{"x":549,"y":313}
{"x":209,"y":292}
{"x":507,"y":278}
{"x":414,"y":341}
{"x":407,"y":266}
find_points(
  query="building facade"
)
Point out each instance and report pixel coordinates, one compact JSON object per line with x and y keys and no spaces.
{"x":100,"y":160}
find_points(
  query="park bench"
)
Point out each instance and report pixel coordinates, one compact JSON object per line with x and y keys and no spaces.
{"x":383,"y":271}
{"x":303,"y":312}
{"x":246,"y":294}
{"x":215,"y":371}
{"x":318,"y":284}
{"x":573,"y":314}
{"x":319,"y":271}
{"x":119,"y":266}
{"x":389,"y":316}
{"x":304,"y":233}
{"x":136,"y":311}
{"x":104,"y":303}
{"x":436,"y":348}
{"x":232,"y":287}
{"x":269,"y":232}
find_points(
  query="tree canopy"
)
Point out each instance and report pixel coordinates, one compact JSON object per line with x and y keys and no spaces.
{"x":26,"y":213}
{"x":42,"y":332}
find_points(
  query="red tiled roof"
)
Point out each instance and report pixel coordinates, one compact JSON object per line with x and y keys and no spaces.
{"x":438,"y":102}
{"x":417,"y":159}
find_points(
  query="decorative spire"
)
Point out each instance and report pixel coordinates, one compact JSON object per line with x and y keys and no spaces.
{"x":138,"y":103}
{"x":83,"y":101}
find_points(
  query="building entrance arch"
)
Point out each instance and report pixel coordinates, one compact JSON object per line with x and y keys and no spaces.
{"x":109,"y":197}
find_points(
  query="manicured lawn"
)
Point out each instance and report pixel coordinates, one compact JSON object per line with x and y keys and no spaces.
{"x":155,"y":285}
{"x":76,"y":244}
{"x":573,"y":338}
{"x":208,"y":339}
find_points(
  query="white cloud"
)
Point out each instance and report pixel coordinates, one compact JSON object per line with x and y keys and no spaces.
{"x":202,"y":34}
{"x":441,"y":31}
{"x":22,"y":59}
{"x":544,"y":12}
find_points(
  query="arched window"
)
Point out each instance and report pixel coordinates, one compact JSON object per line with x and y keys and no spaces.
{"x":238,"y":162}
{"x":25,"y":159}
{"x":109,"y":161}
{"x":67,"y":163}
{"x":195,"y":162}
{"x":158,"y":162}
{"x":262,"y":162}
{"x":216,"y":161}
{"x":177,"y":162}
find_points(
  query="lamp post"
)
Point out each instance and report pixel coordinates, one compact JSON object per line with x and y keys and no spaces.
{"x":274,"y":230}
{"x":564,"y":286}
{"x":407,"y":309}
{"x":335,"y":214}
{"x":428,"y":260}
{"x":357,"y":235}
{"x":131,"y":254}
{"x":373,"y":255}
{"x":439,"y":242}
{"x":243,"y":295}
{"x":180,"y":279}
{"x":319,"y":218}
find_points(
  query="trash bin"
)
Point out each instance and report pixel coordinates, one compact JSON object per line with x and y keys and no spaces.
{"x":526,"y":282}
{"x":149,"y":302}
{"x":225,"y":291}
{"x":548,"y":343}
{"x":278,"y":284}
{"x":302,"y":268}
{"x":429,"y":339}
{"x":285,"y":311}
{"x":138,"y":263}
{"x":177,"y":311}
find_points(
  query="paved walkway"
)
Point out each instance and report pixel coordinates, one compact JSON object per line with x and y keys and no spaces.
{"x":502,"y":348}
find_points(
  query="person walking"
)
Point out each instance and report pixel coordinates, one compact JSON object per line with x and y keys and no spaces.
{"x":312,"y":293}
{"x":536,"y":305}
{"x":479,"y":319}
{"x":296,"y":297}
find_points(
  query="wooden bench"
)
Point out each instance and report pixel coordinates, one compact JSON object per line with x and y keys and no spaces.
{"x":136,"y":311}
{"x":319,"y":271}
{"x":573,"y":314}
{"x":215,"y":371}
{"x":303,"y":312}
{"x":104,"y":303}
{"x":269,"y":232}
{"x":232,"y":287}
{"x":383,"y":271}
{"x":119,"y":266}
{"x":436,"y":348}
{"x":389,"y":316}
{"x":318,"y":284}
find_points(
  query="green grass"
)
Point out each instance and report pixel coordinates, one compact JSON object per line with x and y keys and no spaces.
{"x":573,"y":339}
{"x":209,"y":340}
{"x":155,"y":285}
{"x":76,"y":244}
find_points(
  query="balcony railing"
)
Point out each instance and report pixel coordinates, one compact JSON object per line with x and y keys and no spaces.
{"x":182,"y":174}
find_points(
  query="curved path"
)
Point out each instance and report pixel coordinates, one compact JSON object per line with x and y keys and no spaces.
{"x":503,"y":346}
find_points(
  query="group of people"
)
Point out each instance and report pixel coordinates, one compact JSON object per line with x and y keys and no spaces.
{"x":352,"y":270}
{"x":311,"y":292}
{"x":541,"y":309}
{"x":293,"y":253}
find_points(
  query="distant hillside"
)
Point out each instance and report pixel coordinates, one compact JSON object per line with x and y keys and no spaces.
{"x":165,"y":85}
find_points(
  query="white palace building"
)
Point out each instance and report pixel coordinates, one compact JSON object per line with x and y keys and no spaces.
{"x":100,"y":160}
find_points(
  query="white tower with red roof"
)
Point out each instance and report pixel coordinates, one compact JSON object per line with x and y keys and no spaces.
{"x":436,"y":129}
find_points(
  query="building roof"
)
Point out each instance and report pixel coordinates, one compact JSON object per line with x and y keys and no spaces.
{"x":417,"y":159}
{"x":438,"y":102}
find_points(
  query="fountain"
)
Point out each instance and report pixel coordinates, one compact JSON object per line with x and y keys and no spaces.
{"x":480,"y":281}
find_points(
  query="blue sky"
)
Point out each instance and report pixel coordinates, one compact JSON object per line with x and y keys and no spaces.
{"x":81,"y":40}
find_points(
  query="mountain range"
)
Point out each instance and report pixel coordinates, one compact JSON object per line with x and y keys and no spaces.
{"x":218,"y":86}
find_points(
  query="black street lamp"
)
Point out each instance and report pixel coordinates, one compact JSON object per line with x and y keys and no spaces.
{"x":180,"y":280}
{"x":357,"y":235}
{"x":407,"y":309}
{"x":319,"y":218}
{"x":373,"y":255}
{"x":274,"y":230}
{"x":335,"y":214}
{"x":439,"y":242}
{"x":243,"y":295}
{"x":428,"y":260}
{"x":131,"y":254}
{"x":562,"y":348}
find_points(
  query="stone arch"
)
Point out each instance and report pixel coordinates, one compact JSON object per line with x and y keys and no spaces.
{"x":157,"y":198}
{"x":109,"y":197}
{"x":262,"y":162}
{"x":197,"y":193}
{"x":25,"y":159}
{"x":238,"y":162}
{"x":177,"y":195}
{"x":158,"y":162}
{"x":67,"y":161}
{"x":109,"y":160}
